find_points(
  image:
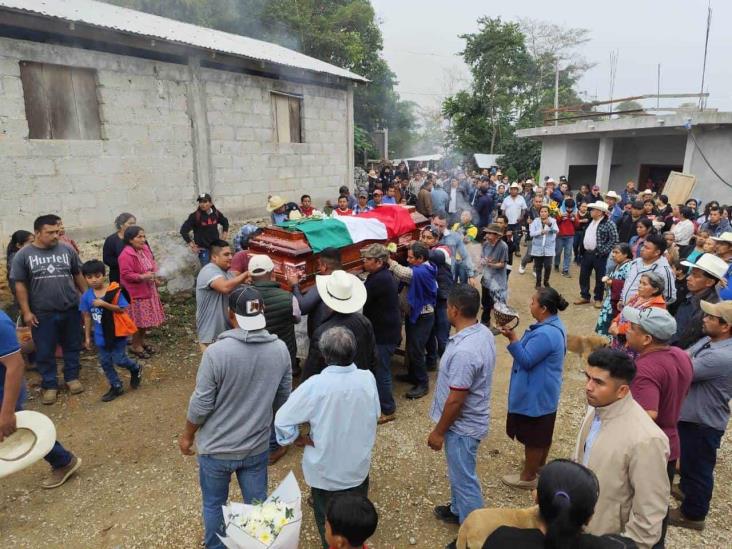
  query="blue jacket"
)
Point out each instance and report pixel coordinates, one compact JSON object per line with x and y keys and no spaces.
{"x":536,"y":375}
{"x":440,"y":198}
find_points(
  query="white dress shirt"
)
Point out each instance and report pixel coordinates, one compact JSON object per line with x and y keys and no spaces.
{"x":342,"y":406}
{"x":590,"y":240}
{"x":452,"y":205}
{"x":513,"y":207}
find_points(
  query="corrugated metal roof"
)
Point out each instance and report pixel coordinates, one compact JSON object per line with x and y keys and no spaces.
{"x":107,"y":16}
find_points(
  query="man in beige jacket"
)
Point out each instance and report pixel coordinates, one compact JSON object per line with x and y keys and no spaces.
{"x":627,"y":451}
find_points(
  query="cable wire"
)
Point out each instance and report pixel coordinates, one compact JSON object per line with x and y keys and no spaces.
{"x":701,"y":152}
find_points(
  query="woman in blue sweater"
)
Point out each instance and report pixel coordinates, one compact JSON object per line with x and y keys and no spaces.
{"x":536,"y":382}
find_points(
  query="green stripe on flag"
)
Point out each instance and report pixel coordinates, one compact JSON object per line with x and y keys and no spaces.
{"x":321,"y":233}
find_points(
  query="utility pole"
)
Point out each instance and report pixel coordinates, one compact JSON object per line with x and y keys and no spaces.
{"x":556,"y":92}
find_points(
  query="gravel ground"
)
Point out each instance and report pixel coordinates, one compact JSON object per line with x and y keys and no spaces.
{"x":136,"y":490}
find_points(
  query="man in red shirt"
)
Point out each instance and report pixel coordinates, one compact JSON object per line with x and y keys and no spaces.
{"x":663,"y":377}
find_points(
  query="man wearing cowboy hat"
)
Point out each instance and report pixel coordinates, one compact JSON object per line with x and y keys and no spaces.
{"x":600,"y":237}
{"x":704,"y":415}
{"x":724,"y":250}
{"x":616,"y":212}
{"x":514,"y":206}
{"x":277,"y":207}
{"x":344,"y":295}
{"x":204,"y":223}
{"x":12,"y":396}
{"x":701,"y":282}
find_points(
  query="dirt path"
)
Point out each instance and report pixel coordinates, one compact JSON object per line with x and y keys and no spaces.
{"x":136,"y":490}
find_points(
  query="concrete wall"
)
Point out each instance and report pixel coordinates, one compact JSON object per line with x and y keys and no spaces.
{"x":717,"y":147}
{"x":630,"y":153}
{"x":169,"y":132}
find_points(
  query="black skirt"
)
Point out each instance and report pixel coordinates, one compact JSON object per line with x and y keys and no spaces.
{"x":534,"y":432}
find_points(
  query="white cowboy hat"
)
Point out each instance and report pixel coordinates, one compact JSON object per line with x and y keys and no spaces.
{"x":724,"y":237}
{"x":613,"y":194}
{"x":341,"y":291}
{"x":33,"y":439}
{"x":275,"y":202}
{"x":550,"y":180}
{"x":598,"y":206}
{"x":515,"y":185}
{"x":709,"y":263}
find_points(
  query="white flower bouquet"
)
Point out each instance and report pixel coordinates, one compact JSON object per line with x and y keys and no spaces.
{"x":274,"y":524}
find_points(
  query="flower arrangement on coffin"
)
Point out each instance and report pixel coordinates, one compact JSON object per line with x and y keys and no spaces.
{"x":274,"y":524}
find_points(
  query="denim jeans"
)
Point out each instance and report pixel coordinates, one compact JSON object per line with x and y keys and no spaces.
{"x":564,"y":244}
{"x":417,"y":336}
{"x":461,"y":454}
{"x":214,"y":475}
{"x":461,"y":273}
{"x":58,"y":456}
{"x":383,"y":377}
{"x":592,"y":261}
{"x":204,"y":256}
{"x":440,"y":333}
{"x":116,"y":356}
{"x":699,"y":445}
{"x":60,"y":328}
{"x":321,"y":498}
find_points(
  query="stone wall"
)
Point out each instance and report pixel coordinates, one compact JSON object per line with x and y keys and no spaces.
{"x":169,"y":131}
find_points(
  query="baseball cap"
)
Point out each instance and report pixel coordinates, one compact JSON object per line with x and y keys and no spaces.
{"x":562,"y":178}
{"x":657,"y":322}
{"x":375,"y":251}
{"x":204,"y":197}
{"x":722,"y":310}
{"x":248,"y":307}
{"x":363,"y":194}
{"x":260,"y":264}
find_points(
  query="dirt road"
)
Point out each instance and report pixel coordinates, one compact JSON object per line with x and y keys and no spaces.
{"x":136,"y":490}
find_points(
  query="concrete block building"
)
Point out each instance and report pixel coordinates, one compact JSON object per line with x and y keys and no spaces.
{"x":105,"y":109}
{"x":611,"y":152}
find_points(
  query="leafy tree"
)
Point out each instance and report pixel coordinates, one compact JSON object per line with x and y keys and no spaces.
{"x":628,"y":106}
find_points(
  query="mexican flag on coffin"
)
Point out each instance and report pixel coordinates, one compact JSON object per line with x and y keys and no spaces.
{"x":387,"y":221}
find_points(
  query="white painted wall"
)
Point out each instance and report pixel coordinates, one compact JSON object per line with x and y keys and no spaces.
{"x":717,"y":147}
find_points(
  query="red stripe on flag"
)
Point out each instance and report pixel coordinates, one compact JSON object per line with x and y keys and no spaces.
{"x":397,"y":219}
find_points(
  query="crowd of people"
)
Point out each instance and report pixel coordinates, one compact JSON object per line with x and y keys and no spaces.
{"x":657,"y":393}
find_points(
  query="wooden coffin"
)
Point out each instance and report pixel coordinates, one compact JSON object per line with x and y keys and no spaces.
{"x":291,"y":254}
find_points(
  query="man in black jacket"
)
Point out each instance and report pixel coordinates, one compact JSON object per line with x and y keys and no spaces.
{"x":204,"y":223}
{"x":382,"y":309}
{"x":629,"y":221}
{"x":344,"y":294}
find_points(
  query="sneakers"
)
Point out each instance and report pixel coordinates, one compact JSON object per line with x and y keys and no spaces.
{"x":75,"y":386}
{"x":522,"y":270}
{"x":385,"y":418}
{"x":514,"y":481}
{"x":62,"y":474}
{"x":136,"y":377}
{"x":582,"y":301}
{"x":445,"y":514}
{"x":677,"y":518}
{"x":565,"y":274}
{"x":418,"y":391}
{"x":275,"y":456}
{"x":49,"y":396}
{"x":113,"y":393}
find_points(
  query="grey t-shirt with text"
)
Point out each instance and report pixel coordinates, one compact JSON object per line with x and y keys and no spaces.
{"x":212,"y":308}
{"x":49,"y":275}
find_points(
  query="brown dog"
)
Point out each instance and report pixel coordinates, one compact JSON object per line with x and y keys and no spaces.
{"x":584,"y":345}
{"x":482,"y":522}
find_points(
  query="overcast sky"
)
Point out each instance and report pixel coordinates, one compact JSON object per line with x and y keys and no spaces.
{"x":421,"y":42}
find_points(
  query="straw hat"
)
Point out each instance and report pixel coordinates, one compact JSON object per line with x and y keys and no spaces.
{"x":515,"y":185}
{"x":724,"y":237}
{"x":599,"y":206}
{"x":613,"y":194}
{"x":33,"y":439}
{"x":341,"y":291}
{"x":275,"y":202}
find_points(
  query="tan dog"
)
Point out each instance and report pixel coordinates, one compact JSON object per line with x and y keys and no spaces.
{"x":481,"y":523}
{"x":584,"y":345}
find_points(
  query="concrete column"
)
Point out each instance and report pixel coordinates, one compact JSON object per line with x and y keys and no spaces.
{"x":201,"y":142}
{"x":349,"y":137}
{"x":604,"y":162}
{"x":689,"y":153}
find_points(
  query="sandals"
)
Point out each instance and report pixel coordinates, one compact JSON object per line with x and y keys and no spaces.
{"x":144,"y":354}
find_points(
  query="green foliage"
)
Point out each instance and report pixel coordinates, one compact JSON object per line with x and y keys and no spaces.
{"x":628,"y":106}
{"x":512,"y":174}
{"x":513,"y":67}
{"x":342,"y":32}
